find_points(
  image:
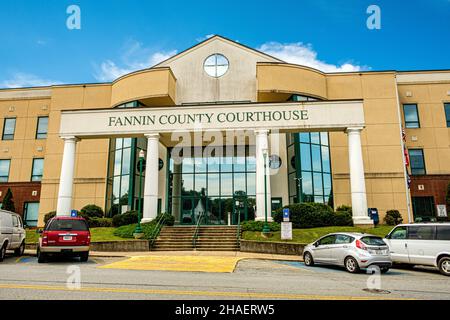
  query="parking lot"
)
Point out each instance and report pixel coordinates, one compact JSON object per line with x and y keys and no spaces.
{"x":110,"y":278}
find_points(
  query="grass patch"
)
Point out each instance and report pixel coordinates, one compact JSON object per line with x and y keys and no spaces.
{"x":128,"y":230}
{"x":97,"y":235}
{"x":309,"y":235}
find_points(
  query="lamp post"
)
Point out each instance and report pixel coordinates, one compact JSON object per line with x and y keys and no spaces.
{"x":138,"y":229}
{"x":266,"y":228}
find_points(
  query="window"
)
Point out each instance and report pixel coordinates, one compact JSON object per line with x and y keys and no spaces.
{"x":423,"y":209}
{"x":373,"y":241}
{"x":4,"y":170}
{"x":411,"y":116}
{"x":443,"y":233}
{"x":343,"y":239}
{"x":31,"y":213}
{"x":447,"y":113}
{"x":327,"y":240}
{"x":67,"y":225}
{"x":421,"y":232}
{"x":417,"y":161}
{"x":398,"y":234}
{"x":9,"y":126}
{"x":38,"y":169}
{"x":42,"y":128}
{"x":216,"y":65}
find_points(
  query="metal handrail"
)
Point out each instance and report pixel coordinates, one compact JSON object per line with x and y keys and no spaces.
{"x":155,"y":233}
{"x":197,"y":228}
{"x":238,"y":233}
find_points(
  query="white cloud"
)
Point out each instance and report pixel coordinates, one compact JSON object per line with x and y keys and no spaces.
{"x":200,"y":39}
{"x":304,"y":54}
{"x":135,"y":57}
{"x":21,"y":80}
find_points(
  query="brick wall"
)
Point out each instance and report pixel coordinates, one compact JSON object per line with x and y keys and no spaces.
{"x":22,"y":192}
{"x":433,"y":186}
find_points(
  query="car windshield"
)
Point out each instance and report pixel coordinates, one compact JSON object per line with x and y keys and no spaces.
{"x":67,"y":225}
{"x":373,"y":241}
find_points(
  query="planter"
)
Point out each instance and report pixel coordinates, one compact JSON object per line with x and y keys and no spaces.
{"x":272,"y":247}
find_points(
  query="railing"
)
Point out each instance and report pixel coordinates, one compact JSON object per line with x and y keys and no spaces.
{"x":238,"y":232}
{"x":157,"y":229}
{"x":197,"y":228}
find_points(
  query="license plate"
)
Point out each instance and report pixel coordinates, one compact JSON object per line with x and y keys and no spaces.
{"x":67,"y":238}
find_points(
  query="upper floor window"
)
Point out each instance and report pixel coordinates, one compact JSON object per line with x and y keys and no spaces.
{"x":38,"y":169}
{"x":9,"y":127}
{"x":447,"y":113}
{"x":417,"y":161}
{"x":42,"y":128}
{"x":4,"y":170}
{"x":411,"y":116}
{"x":216,"y":65}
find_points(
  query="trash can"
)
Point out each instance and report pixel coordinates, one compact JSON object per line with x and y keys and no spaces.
{"x":373,"y":214}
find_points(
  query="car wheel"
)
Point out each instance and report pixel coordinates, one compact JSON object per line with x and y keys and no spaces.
{"x":20,"y":250}
{"x":84,"y":257}
{"x":351,"y":265}
{"x":384,"y":270}
{"x":3,"y":252}
{"x":308,"y":259}
{"x":444,"y":266}
{"x":42,"y":257}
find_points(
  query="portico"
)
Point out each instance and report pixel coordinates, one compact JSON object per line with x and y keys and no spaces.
{"x":166,"y":125}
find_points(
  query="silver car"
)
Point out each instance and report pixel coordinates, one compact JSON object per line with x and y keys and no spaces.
{"x":354,"y":251}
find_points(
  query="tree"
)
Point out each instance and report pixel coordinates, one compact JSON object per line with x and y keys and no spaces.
{"x":8,"y":203}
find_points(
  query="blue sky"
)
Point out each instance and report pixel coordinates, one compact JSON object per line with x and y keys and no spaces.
{"x":119,"y":36}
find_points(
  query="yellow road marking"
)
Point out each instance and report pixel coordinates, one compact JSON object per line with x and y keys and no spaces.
{"x":177,"y":263}
{"x":247,"y":295}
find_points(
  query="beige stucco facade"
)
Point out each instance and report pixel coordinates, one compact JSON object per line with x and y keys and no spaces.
{"x":252,"y":77}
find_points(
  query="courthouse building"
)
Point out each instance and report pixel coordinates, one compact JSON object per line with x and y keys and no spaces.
{"x":209,"y":120}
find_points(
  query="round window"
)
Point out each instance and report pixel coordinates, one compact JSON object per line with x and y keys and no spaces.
{"x":274,"y":162}
{"x":216,"y":65}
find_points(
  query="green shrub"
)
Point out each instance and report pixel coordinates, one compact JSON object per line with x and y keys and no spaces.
{"x":8,"y":203}
{"x":343,"y":218}
{"x":99,"y":222}
{"x":258,"y":226}
{"x":308,"y":215}
{"x":49,"y":216}
{"x":92,"y":211}
{"x":169,"y":220}
{"x":127,"y":218}
{"x":393,"y":218}
{"x":345,"y":208}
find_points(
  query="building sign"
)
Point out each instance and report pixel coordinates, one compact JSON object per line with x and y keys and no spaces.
{"x":441,"y":210}
{"x":330,"y":116}
{"x":286,"y":231}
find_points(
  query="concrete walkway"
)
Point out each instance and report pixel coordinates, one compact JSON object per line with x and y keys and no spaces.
{"x":236,"y":254}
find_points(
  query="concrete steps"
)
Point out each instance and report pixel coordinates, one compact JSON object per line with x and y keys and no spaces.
{"x":210,"y":238}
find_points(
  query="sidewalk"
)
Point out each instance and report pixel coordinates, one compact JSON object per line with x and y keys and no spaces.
{"x":237,"y":254}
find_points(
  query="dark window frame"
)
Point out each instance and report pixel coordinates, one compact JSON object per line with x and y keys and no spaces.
{"x":43,"y":135}
{"x":447,"y":113}
{"x":9,"y":170}
{"x":423,"y":160}
{"x":417,"y":114}
{"x":32,"y":171}
{"x":10,"y":136}
{"x":25,"y":212}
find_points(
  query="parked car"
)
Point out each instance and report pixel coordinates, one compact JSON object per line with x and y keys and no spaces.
{"x":354,"y":251}
{"x":68,"y":236}
{"x":12,"y":234}
{"x":425,"y":244}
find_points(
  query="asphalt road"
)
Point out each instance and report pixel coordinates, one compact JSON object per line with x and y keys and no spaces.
{"x":24,"y":278}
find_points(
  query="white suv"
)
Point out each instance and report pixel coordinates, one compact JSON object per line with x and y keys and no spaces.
{"x":12,"y":234}
{"x":425,"y":244}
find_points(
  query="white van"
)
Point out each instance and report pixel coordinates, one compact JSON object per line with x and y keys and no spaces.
{"x":425,"y":244}
{"x":12,"y":234}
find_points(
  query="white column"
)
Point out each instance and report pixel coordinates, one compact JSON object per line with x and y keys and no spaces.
{"x":357,"y":180}
{"x":64,"y":205}
{"x":151,"y":178}
{"x":262,"y":143}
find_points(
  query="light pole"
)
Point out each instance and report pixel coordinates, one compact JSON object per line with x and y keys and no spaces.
{"x":266,"y":228}
{"x":138,"y":229}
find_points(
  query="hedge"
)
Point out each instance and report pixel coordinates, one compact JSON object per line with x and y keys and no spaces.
{"x":258,"y":226}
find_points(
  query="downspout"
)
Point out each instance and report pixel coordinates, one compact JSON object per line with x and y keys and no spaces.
{"x":405,"y":172}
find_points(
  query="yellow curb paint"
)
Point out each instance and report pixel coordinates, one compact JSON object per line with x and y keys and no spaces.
{"x":232,"y":294}
{"x":177,"y":263}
